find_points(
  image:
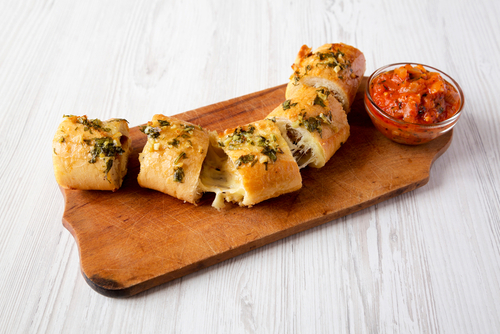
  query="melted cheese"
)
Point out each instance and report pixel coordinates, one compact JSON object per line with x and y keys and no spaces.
{"x":218,"y":175}
{"x":298,"y":141}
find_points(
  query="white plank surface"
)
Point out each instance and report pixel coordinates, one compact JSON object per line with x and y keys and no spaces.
{"x":424,"y":262}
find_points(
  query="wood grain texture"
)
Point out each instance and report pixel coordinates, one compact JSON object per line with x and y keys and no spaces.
{"x":134,"y":239}
{"x":423,"y":262}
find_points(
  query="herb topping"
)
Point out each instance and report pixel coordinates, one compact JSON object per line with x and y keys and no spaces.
{"x":244,"y":159}
{"x":178,"y":174}
{"x":288,"y":104}
{"x":152,"y":132}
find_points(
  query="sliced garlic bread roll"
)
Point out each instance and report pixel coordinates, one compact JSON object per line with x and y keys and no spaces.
{"x":248,"y":165}
{"x":89,"y":154}
{"x":313,"y":124}
{"x":338,"y":67}
{"x":172,"y":158}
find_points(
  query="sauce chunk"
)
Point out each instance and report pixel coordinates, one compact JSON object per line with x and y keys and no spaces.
{"x":415,"y":95}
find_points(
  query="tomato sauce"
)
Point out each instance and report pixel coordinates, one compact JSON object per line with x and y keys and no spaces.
{"x":415,"y":95}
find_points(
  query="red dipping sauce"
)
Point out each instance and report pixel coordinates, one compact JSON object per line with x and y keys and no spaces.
{"x":415,"y":95}
{"x":412,"y":105}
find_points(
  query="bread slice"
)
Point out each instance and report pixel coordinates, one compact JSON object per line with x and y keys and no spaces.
{"x":313,"y":123}
{"x":249,"y":164}
{"x":172,"y":158}
{"x":338,"y":67}
{"x":89,"y":154}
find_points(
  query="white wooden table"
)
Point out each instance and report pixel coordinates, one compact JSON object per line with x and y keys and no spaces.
{"x":424,"y":262}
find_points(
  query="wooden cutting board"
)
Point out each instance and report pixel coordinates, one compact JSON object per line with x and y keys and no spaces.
{"x":134,"y":239}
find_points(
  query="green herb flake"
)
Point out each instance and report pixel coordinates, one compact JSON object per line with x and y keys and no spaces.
{"x":178,"y":174}
{"x":270,"y":152}
{"x":105,"y":147}
{"x":315,"y":123}
{"x":181,"y":156}
{"x":109,"y":165}
{"x":89,"y":124}
{"x":319,"y":101}
{"x":239,"y":136}
{"x":151,"y":132}
{"x":288,"y":104}
{"x":174,"y":142}
{"x":163,"y":122}
{"x":244,"y":159}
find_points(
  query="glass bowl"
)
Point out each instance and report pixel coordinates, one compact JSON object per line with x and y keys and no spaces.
{"x":404,"y":132}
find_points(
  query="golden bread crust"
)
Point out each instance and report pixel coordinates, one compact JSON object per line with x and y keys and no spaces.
{"x":315,"y":113}
{"x":171,"y":162}
{"x":90,"y":154}
{"x":339,"y":67}
{"x":262,"y":177}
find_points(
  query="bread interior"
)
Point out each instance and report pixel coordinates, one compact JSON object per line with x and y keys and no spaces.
{"x":299,"y":141}
{"x":219,"y":175}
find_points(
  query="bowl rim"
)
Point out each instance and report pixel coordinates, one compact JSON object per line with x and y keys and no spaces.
{"x":448,"y":78}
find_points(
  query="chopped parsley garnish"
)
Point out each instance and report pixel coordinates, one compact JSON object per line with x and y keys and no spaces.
{"x":319,"y":101}
{"x":163,"y":122}
{"x":288,"y":104}
{"x":333,"y":59}
{"x":178,"y":174}
{"x":104,"y":147}
{"x":314,"y":123}
{"x":174,"y":142}
{"x":321,"y":97}
{"x":150,"y":131}
{"x":109,"y":165}
{"x":241,"y":136}
{"x":271,"y":153}
{"x":181,"y":156}
{"x":89,"y":124}
{"x":244,"y":159}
